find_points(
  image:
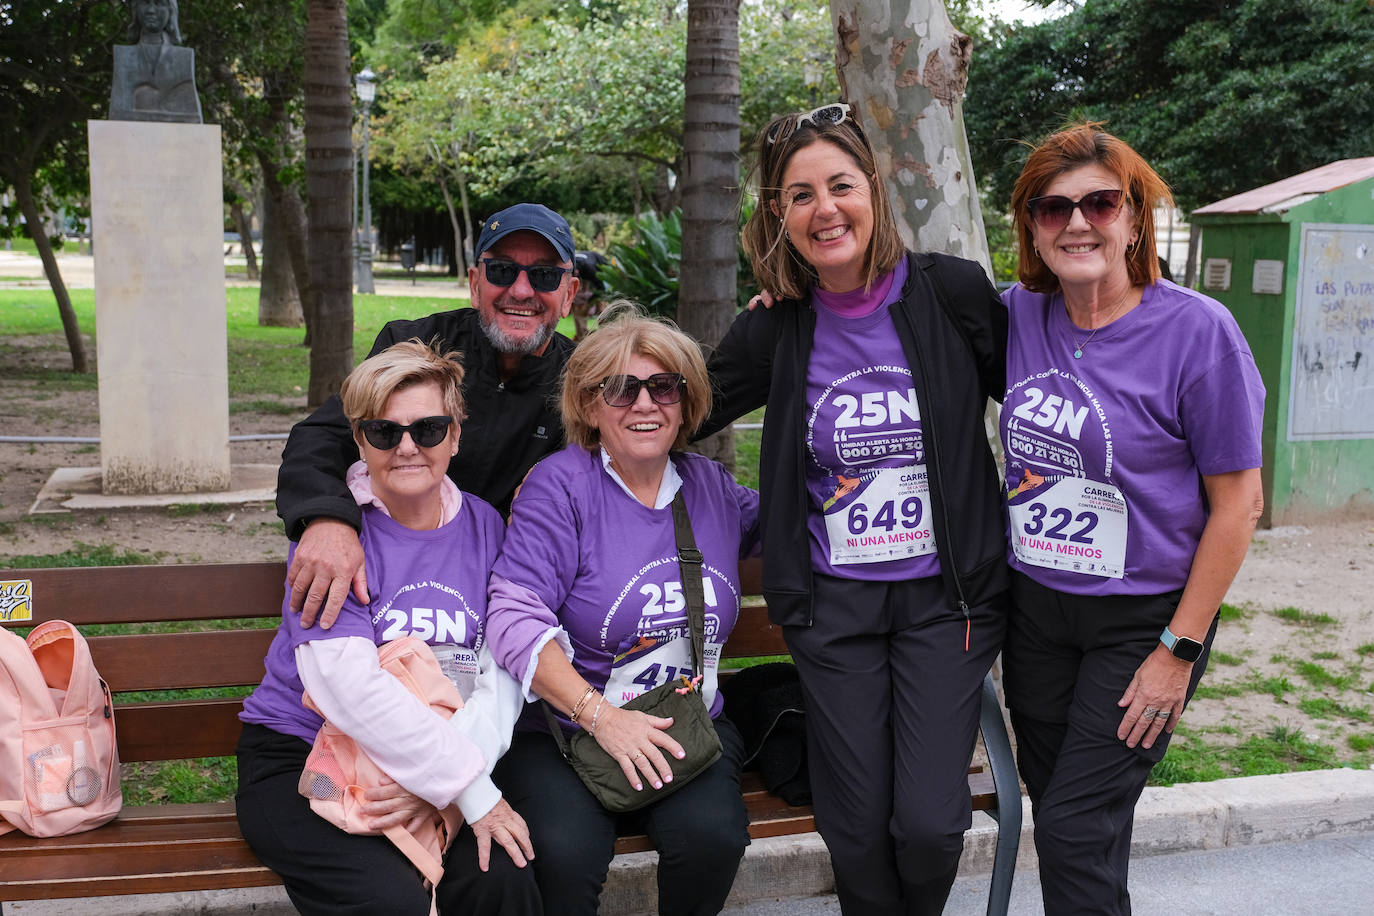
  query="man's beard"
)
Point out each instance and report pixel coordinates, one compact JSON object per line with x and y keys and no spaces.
{"x":514,"y":346}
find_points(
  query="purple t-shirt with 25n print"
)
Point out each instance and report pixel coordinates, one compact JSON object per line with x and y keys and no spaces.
{"x":865,"y":471}
{"x":1105,"y":453}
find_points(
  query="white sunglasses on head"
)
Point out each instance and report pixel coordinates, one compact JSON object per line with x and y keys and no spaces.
{"x":824,"y":116}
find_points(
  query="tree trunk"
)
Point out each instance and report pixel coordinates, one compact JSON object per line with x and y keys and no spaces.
{"x":286,"y":205}
{"x":245,"y":227}
{"x":707,"y":291}
{"x":460,"y":264}
{"x":279,"y":301}
{"x":468,"y":238}
{"x":329,"y":188}
{"x":903,"y":67}
{"x":23,"y":190}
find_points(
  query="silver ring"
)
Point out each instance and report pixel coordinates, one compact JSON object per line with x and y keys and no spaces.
{"x":1150,"y":712}
{"x":637,"y":755}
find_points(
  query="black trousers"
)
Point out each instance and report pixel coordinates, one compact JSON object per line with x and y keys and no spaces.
{"x":892,"y":703}
{"x":1068,"y":660}
{"x":700,"y":831}
{"x":328,"y":871}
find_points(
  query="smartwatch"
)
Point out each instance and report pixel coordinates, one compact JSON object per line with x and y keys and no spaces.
{"x":1182,"y":647}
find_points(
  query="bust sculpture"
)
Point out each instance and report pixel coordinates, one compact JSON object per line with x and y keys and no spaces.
{"x":154,"y":78}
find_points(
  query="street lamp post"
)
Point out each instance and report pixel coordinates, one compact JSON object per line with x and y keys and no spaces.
{"x":366,"y":83}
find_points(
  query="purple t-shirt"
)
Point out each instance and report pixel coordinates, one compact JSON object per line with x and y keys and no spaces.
{"x":1105,"y":454}
{"x":866,"y":477}
{"x":607,"y":566}
{"x":428,"y":584}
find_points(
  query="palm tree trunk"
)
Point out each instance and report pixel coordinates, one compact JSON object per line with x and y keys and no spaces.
{"x":329,"y":190}
{"x":707,"y":291}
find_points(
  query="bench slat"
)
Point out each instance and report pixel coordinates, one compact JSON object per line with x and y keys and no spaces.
{"x":171,"y":661}
{"x":138,"y":594}
{"x":178,"y":729}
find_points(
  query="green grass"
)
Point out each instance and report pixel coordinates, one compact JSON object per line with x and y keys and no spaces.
{"x":1365,"y":648}
{"x":207,"y":779}
{"x":1360,"y":743}
{"x":1280,"y":750}
{"x":1319,"y":677}
{"x":80,"y":554}
{"x":1231,"y":612}
{"x":1303,"y":618}
{"x":1225,"y":658}
{"x":187,"y":510}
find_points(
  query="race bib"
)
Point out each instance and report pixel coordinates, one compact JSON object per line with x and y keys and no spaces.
{"x":1072,"y":524}
{"x":650,"y":663}
{"x":880,"y":515}
{"x":459,"y":664}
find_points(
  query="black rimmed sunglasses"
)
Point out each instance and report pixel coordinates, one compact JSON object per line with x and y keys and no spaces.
{"x":544,"y":278}
{"x":425,"y":432}
{"x":1053,"y":212}
{"x":825,"y":116}
{"x":623,"y":390}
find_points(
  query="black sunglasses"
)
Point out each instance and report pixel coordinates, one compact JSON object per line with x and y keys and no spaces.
{"x":623,"y":390}
{"x":825,"y":116}
{"x":1100,"y":208}
{"x":544,"y":278}
{"x":426,"y":432}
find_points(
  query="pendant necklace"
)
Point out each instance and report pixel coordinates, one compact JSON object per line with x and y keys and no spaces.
{"x":1080,"y":347}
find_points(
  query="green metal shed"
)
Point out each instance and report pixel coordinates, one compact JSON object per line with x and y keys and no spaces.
{"x":1294,"y":262}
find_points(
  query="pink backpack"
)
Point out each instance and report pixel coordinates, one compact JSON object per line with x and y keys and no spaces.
{"x":59,"y":765}
{"x":337,"y":770}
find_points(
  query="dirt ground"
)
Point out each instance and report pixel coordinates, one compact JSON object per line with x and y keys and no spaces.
{"x":1303,"y":671}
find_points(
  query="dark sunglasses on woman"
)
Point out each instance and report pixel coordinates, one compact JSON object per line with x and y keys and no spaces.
{"x":623,"y":390}
{"x":544,"y":278}
{"x":426,"y":432}
{"x":825,"y":116}
{"x":1053,"y":212}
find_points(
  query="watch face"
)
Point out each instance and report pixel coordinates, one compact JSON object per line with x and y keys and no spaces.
{"x":1189,"y":650}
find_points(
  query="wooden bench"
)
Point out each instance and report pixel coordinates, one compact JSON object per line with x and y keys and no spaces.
{"x":183,"y":847}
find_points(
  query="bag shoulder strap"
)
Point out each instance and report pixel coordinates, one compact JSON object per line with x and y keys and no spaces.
{"x":689,"y":560}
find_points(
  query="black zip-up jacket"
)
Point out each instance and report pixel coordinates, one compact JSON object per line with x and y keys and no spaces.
{"x":957,"y":354}
{"x":510,"y":425}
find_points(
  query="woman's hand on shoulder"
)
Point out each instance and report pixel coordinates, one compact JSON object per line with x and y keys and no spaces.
{"x":637,"y":741}
{"x":764,"y":298}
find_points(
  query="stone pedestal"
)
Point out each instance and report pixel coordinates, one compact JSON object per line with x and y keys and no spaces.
{"x":157,"y":223}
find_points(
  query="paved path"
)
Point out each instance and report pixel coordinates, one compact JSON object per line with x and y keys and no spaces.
{"x":1333,"y":876}
{"x":19,"y":270}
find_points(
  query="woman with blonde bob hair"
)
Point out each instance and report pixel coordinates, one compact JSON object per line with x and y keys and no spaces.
{"x":1132,"y":433}
{"x":587,"y":612}
{"x":429,"y":550}
{"x":882,"y":522}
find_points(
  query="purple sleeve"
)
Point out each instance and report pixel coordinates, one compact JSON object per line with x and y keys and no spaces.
{"x":1223,"y":414}
{"x":535,"y":570}
{"x":516,"y":621}
{"x":748,"y":502}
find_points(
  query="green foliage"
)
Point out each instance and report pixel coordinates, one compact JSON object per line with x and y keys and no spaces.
{"x":1218,"y":97}
{"x":648,"y":272}
{"x":80,"y":554}
{"x":1281,"y":750}
{"x":1225,"y":658}
{"x":1318,"y":676}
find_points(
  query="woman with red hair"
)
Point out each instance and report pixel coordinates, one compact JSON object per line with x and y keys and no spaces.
{"x":1131,"y":425}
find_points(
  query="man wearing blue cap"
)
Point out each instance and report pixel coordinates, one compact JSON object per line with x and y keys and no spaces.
{"x":522,"y":284}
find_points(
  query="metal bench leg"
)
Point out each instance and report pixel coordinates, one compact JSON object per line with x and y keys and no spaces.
{"x":1008,"y":811}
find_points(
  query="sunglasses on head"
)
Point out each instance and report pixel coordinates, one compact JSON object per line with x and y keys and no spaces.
{"x":1100,"y":208}
{"x":544,"y":278}
{"x":623,"y":390}
{"x":825,"y":116}
{"x":426,"y":432}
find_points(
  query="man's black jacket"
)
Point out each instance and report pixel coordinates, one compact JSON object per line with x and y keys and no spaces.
{"x":510,"y":425}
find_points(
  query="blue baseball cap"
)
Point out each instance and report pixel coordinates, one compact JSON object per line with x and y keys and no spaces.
{"x":528,"y":218}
